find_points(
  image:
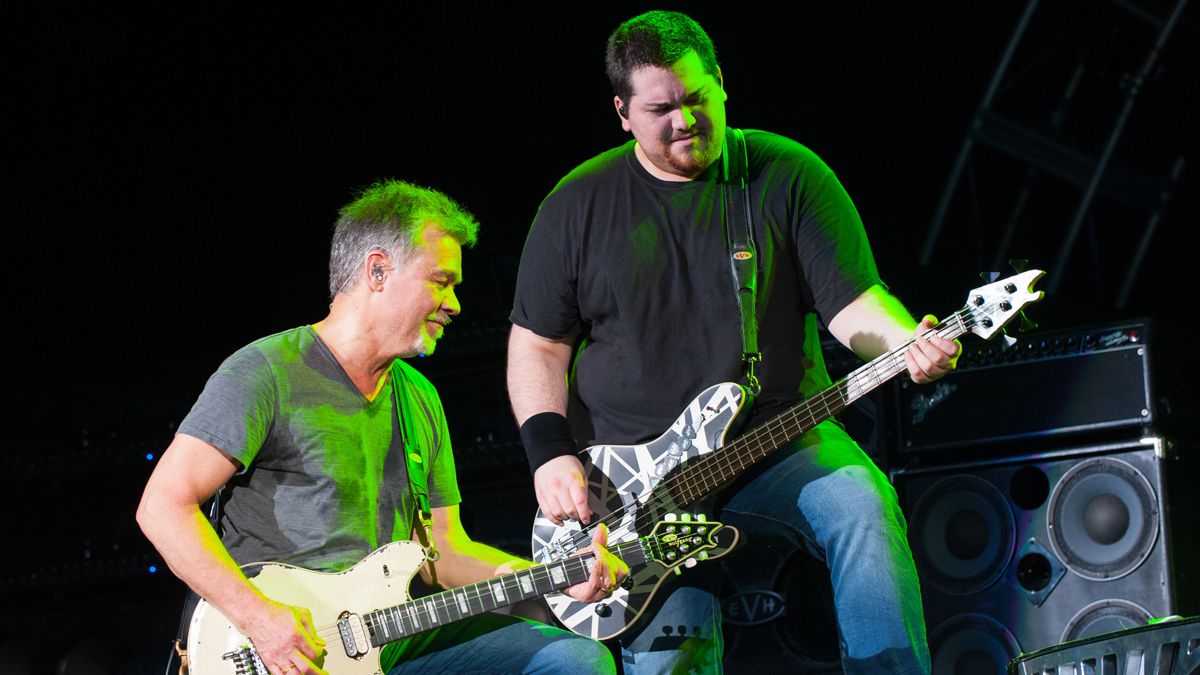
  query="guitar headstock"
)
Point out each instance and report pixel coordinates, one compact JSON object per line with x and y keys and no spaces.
{"x":685,"y":540}
{"x":992,"y":306}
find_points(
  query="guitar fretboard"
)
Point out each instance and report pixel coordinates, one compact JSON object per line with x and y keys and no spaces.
{"x":708,"y":473}
{"x":410,"y":618}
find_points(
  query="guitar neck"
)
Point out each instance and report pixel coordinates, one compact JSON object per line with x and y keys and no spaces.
{"x":393,"y":623}
{"x":709,"y":473}
{"x":867,"y":378}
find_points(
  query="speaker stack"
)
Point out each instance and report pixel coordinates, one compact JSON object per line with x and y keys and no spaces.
{"x":1044,"y":502}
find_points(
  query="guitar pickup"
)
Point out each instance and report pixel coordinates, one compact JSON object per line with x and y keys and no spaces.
{"x":353,"y":634}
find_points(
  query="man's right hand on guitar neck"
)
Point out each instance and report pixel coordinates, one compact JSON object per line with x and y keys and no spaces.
{"x":562,"y":490}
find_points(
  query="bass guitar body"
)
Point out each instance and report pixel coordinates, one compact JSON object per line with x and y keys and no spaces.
{"x":624,"y":480}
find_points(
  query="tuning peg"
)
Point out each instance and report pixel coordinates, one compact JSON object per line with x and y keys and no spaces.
{"x":989,"y":277}
{"x":1019,"y":264}
{"x":685,"y":517}
{"x":689,"y":563}
{"x":670,"y":516}
{"x":1027,"y":324}
{"x":677,"y":570}
{"x":1008,"y":340}
{"x":701,"y":517}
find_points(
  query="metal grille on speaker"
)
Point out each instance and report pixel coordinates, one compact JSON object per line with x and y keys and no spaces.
{"x":962,"y":534}
{"x":1103,"y":518}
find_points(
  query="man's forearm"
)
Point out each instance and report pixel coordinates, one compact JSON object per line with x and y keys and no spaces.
{"x":873,"y":324}
{"x":194,"y":553}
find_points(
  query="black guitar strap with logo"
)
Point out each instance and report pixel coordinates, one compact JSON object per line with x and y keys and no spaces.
{"x":739,"y":236}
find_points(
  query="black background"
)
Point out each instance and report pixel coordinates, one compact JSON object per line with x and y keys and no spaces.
{"x":172,"y":176}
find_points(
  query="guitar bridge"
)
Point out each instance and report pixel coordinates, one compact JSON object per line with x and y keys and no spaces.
{"x":567,"y":545}
{"x":554,"y":551}
{"x":245,"y":661}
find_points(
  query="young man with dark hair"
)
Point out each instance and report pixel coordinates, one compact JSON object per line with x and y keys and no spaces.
{"x":629,"y":252}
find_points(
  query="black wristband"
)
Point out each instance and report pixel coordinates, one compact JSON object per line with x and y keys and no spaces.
{"x":546,"y":436}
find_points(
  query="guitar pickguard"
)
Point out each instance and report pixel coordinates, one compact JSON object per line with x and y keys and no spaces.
{"x":628,"y":486}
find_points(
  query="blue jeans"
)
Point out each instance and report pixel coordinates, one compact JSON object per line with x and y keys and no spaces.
{"x":497,"y":643}
{"x":823,"y":493}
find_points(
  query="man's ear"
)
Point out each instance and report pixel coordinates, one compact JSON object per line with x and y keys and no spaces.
{"x":622,"y":112}
{"x":378,"y":265}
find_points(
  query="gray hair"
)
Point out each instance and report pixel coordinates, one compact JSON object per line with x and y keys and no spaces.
{"x":390,"y":216}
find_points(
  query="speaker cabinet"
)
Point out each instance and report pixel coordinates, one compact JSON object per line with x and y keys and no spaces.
{"x":1019,"y":554}
{"x":777,"y":608}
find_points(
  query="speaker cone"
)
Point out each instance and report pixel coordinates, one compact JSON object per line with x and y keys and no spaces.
{"x":777,"y":610}
{"x":1105,"y":616}
{"x":972,"y":644}
{"x":1103,"y":519}
{"x":962,"y":534}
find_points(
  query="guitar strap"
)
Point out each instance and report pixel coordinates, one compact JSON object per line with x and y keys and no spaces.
{"x":739,"y":237}
{"x":418,"y":479}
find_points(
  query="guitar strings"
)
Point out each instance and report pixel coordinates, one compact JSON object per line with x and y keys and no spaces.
{"x":786,"y":425}
{"x":791,"y":423}
{"x":475,"y":593}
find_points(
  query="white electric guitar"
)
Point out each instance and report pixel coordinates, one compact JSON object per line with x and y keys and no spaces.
{"x":361,"y":609}
{"x":631,"y":486}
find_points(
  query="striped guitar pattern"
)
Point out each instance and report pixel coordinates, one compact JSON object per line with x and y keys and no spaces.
{"x":630,"y":487}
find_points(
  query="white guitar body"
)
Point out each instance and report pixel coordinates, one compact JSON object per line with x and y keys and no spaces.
{"x":215,"y":645}
{"x":359,"y":610}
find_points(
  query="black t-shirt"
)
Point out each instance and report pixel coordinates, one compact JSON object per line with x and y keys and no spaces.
{"x":640,"y":268}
